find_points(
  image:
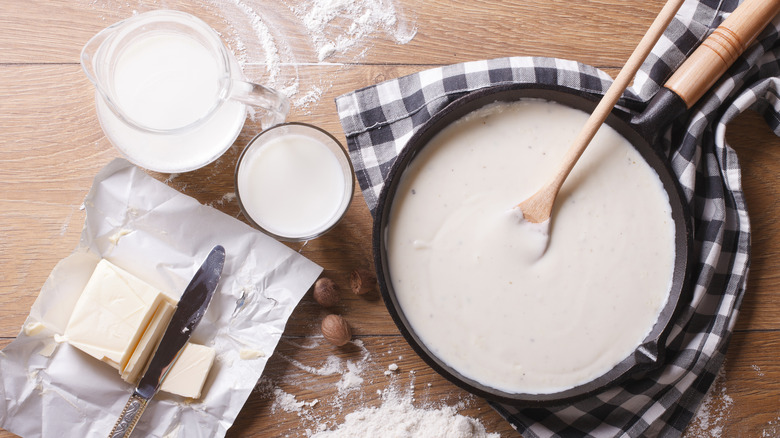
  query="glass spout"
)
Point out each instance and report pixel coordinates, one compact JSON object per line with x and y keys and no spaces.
{"x":90,"y":53}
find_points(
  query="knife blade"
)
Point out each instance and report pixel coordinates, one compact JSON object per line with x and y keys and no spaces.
{"x":192,"y":305}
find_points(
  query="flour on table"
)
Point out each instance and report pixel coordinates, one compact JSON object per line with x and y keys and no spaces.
{"x":227,"y":198}
{"x":391,"y":369}
{"x":399,"y":417}
{"x":336,"y":26}
{"x":713,"y":410}
{"x":310,"y":97}
{"x":288,"y":402}
{"x":397,"y":414}
{"x":332,"y":366}
{"x":351,"y":379}
{"x":772,"y":429}
{"x":349,"y":370}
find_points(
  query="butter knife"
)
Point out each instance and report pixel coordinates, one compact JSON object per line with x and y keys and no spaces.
{"x":192,"y":306}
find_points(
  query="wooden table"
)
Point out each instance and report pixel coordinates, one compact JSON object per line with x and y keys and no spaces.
{"x":51,"y":147}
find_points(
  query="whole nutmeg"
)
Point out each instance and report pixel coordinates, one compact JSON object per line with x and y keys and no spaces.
{"x":336,"y":330}
{"x":326,"y":292}
{"x":362,"y":281}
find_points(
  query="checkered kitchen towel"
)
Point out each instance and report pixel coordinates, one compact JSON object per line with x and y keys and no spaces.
{"x":379,"y":120}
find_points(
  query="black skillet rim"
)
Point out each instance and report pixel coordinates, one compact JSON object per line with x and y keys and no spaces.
{"x":633,"y":366}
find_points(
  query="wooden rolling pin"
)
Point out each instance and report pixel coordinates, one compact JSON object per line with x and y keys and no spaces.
{"x":719,"y":51}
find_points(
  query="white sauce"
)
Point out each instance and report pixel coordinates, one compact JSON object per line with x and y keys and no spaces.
{"x":167,"y":81}
{"x":292,"y":186}
{"x":492,"y":296}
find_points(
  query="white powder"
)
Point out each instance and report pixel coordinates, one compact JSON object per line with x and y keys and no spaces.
{"x":398,"y":417}
{"x":227,"y":197}
{"x":310,"y":98}
{"x":351,"y":379}
{"x":286,"y":402}
{"x":256,"y":33}
{"x":772,"y":429}
{"x":391,"y":369}
{"x":332,"y":366}
{"x":336,"y":26}
{"x":254,"y":39}
{"x":713,"y":411}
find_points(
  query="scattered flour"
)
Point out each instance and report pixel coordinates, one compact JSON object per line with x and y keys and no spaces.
{"x":772,"y":429}
{"x":351,"y":371}
{"x":398,"y":414}
{"x":391,"y":369}
{"x":713,"y":411}
{"x":310,"y":97}
{"x":228,"y":197}
{"x":353,"y":21}
{"x":398,"y":417}
{"x":351,"y":379}
{"x":288,"y":402}
{"x":332,"y":366}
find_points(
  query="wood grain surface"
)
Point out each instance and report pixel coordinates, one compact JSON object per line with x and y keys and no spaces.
{"x":51,"y":147}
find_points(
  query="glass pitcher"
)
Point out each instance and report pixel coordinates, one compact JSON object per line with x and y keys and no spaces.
{"x":169,"y":94}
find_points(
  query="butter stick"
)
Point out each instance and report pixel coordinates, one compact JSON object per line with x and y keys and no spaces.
{"x":148,"y":342}
{"x":189,"y":373}
{"x":111,"y":314}
{"x":119,"y":319}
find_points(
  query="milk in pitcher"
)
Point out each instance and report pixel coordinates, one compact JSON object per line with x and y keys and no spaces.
{"x":168,"y":82}
{"x":169,"y":94}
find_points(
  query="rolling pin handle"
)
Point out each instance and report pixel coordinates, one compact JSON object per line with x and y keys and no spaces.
{"x":719,"y":51}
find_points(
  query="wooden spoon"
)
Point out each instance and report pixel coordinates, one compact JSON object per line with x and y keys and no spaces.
{"x":538,"y":207}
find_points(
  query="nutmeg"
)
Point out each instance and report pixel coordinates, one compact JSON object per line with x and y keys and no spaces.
{"x":336,"y":330}
{"x":362,"y":281}
{"x":326,"y":292}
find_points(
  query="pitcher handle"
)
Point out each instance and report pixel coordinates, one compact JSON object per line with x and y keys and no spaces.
{"x":275,"y":104}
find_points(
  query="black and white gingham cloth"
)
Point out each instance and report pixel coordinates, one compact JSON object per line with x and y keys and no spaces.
{"x":379,"y":120}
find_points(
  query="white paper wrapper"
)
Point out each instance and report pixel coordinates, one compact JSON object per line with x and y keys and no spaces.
{"x":51,"y":389}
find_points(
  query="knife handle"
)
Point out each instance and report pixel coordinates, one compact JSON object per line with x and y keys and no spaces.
{"x":130,"y":415}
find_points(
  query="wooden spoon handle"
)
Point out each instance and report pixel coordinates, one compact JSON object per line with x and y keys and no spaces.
{"x":538,"y":207}
{"x":716,"y":54}
{"x":623,"y":79}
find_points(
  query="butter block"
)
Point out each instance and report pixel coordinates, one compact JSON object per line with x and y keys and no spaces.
{"x":112,"y":314}
{"x":148,"y":342}
{"x":189,"y":373}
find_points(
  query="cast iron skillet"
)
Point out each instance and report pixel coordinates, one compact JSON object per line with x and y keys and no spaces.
{"x":679,"y":94}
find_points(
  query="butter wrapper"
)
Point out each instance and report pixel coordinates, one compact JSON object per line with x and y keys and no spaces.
{"x":51,"y":389}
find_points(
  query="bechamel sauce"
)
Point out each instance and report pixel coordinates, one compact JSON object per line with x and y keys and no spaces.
{"x":167,"y":81}
{"x":292,"y":186}
{"x":477,"y":285}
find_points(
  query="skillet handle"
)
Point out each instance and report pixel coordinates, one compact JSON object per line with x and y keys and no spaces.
{"x":716,"y":54}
